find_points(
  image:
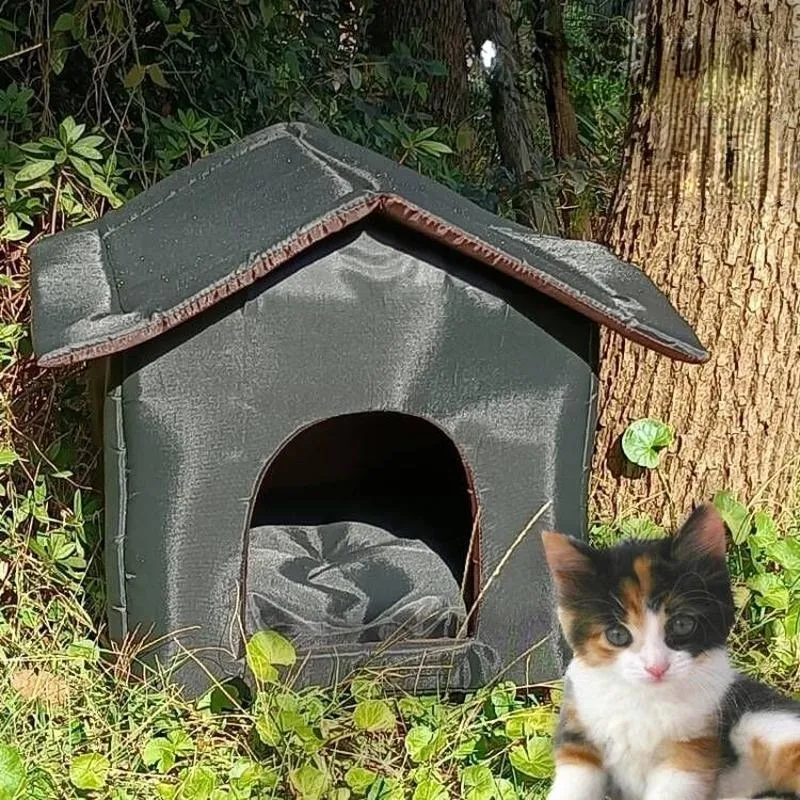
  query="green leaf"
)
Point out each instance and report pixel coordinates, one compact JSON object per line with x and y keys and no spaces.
{"x":374,"y":715}
{"x":265,"y":651}
{"x":86,"y":150}
{"x":181,"y":741}
{"x":83,"y":168}
{"x":434,"y":148}
{"x":355,"y":78}
{"x":431,"y":789}
{"x":772,"y":592}
{"x":7,"y":457}
{"x":199,"y":783}
{"x":89,"y":771}
{"x":159,"y":752}
{"x":422,"y":743}
{"x":134,"y":76}
{"x":161,"y":9}
{"x":70,"y":131}
{"x":267,"y":10}
{"x":531,"y":722}
{"x":644,"y":440}
{"x":535,"y":759}
{"x":360,"y":779}
{"x":477,"y":783}
{"x":268,"y":730}
{"x":504,"y":789}
{"x":734,"y":514}
{"x":63,"y":24}
{"x":12,"y":773}
{"x":786,"y":553}
{"x":34,"y":170}
{"x":157,"y":76}
{"x":84,"y":650}
{"x":641,"y":528}
{"x":386,"y":789}
{"x":308,"y":782}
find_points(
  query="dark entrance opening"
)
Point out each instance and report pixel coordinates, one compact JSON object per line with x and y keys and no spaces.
{"x":361,"y":531}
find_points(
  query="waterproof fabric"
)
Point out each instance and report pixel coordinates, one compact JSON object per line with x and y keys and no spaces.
{"x":296,"y":280}
{"x":348,"y":582}
{"x":378,"y":320}
{"x":212,"y":229}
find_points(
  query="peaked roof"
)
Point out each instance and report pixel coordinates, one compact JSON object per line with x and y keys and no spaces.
{"x":218,"y":226}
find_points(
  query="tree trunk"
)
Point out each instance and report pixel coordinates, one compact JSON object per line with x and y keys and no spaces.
{"x":443,"y":29}
{"x":548,"y":24}
{"x":709,"y":206}
{"x":490,"y":20}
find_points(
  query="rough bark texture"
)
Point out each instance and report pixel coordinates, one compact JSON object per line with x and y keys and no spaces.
{"x":548,"y":24}
{"x":443,"y":26}
{"x":710,"y":207}
{"x":490,"y":20}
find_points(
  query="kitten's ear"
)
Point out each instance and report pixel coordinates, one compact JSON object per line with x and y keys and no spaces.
{"x":703,"y":534}
{"x":566,"y":557}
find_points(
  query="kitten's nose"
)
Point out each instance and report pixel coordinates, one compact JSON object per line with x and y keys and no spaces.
{"x":658,"y":671}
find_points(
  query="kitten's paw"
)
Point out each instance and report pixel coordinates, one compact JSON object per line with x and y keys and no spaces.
{"x":574,"y":782}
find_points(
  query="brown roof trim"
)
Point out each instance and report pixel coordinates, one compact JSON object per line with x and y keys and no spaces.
{"x":393,"y":207}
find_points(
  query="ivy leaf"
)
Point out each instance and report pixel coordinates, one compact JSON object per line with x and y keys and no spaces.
{"x":360,"y":779}
{"x":535,"y":759}
{"x":531,"y":722}
{"x":374,"y":715}
{"x":734,"y":515}
{"x":268,"y":730}
{"x":7,"y":457}
{"x":12,"y":773}
{"x":89,"y":771}
{"x":644,"y":440}
{"x":422,"y":743}
{"x":771,"y":591}
{"x":430,"y":789}
{"x":309,"y":782}
{"x":477,"y":783}
{"x":159,"y":752}
{"x":265,"y":651}
{"x":386,"y":789}
{"x":199,"y":783}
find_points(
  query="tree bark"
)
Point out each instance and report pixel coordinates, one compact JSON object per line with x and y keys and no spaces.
{"x":709,"y":206}
{"x":443,"y":29}
{"x":547,"y":20}
{"x":490,"y":20}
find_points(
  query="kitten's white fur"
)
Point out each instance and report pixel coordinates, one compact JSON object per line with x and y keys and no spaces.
{"x":629,"y":718}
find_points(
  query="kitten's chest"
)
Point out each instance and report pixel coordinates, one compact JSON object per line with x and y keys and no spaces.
{"x":632,"y":729}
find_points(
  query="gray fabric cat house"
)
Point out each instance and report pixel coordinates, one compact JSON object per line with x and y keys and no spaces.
{"x":335,"y":392}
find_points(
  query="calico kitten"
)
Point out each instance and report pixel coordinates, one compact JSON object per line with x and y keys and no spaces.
{"x":652,"y":709}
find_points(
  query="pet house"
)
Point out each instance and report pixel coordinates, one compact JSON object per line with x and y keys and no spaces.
{"x":319,"y":367}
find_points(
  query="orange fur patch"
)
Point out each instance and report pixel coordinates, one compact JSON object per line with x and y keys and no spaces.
{"x":635,"y":593}
{"x":698,"y":756}
{"x":780,"y":765}
{"x":582,"y":754}
{"x":596,"y":650}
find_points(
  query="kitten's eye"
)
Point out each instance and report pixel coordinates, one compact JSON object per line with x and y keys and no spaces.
{"x":619,"y":636}
{"x":682,"y":625}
